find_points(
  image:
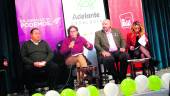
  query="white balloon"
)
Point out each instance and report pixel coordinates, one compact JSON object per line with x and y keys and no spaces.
{"x":83,"y":92}
{"x":165,"y":80}
{"x":52,"y":93}
{"x":111,"y":89}
{"x":141,"y":83}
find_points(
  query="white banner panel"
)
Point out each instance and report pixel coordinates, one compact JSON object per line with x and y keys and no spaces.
{"x":87,"y":15}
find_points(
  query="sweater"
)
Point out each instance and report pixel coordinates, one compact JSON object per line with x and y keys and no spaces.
{"x":80,"y":42}
{"x":33,"y":53}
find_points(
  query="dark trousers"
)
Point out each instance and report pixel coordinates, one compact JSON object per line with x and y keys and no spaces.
{"x":111,"y":64}
{"x":3,"y":86}
{"x":48,"y":73}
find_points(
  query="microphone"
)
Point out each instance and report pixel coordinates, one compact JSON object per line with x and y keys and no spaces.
{"x":73,"y":39}
{"x":72,"y":42}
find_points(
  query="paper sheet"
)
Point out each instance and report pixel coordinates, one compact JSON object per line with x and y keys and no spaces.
{"x":142,"y":40}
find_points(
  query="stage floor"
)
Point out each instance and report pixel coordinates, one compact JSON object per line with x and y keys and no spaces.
{"x":162,"y":92}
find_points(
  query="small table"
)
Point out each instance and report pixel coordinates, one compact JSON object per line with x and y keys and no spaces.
{"x":132,"y":63}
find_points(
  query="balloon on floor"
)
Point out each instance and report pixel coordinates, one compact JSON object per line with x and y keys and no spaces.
{"x":165,"y":80}
{"x":111,"y":89}
{"x":93,"y":90}
{"x":83,"y":91}
{"x":154,"y":83}
{"x":141,"y":83}
{"x":128,"y":87}
{"x":52,"y":93}
{"x":68,"y":92}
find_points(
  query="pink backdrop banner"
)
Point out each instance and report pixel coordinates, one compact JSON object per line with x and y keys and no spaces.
{"x":124,"y":12}
{"x":47,"y":15}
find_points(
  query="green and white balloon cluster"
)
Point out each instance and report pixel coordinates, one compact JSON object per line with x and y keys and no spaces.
{"x":82,"y":91}
{"x":127,"y":87}
{"x":141,"y":84}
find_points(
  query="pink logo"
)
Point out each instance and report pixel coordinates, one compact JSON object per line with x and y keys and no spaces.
{"x":126,"y":19}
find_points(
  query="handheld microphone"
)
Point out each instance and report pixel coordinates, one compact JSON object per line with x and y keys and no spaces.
{"x":73,"y":39}
{"x":72,"y":42}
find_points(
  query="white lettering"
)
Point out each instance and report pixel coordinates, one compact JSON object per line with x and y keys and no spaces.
{"x":37,"y":22}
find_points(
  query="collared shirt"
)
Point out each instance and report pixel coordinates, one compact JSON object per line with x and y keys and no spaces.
{"x":111,"y":41}
{"x":36,"y":43}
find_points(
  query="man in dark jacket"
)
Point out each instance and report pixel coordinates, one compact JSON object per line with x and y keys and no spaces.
{"x":37,"y":55}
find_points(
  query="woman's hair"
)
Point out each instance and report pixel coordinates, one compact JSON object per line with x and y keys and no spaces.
{"x":72,"y":26}
{"x":137,"y":23}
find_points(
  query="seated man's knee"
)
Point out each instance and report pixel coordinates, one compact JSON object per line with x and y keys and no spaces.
{"x":53,"y":65}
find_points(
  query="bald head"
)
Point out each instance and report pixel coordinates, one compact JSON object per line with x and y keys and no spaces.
{"x":106,"y":21}
{"x":106,"y":25}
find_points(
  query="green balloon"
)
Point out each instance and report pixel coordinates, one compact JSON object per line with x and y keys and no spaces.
{"x":68,"y":92}
{"x":154,"y":83}
{"x":128,"y":87}
{"x":37,"y":94}
{"x":93,"y":90}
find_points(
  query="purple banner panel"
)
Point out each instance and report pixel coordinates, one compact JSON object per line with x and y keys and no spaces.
{"x":47,"y":15}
